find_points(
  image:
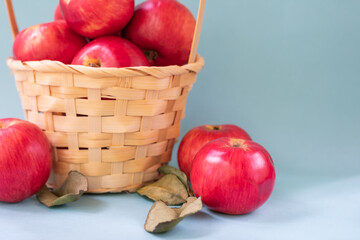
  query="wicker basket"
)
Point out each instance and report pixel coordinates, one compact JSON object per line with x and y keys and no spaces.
{"x":115,"y":126}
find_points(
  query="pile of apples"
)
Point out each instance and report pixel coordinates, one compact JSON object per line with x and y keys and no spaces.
{"x":111,"y":33}
{"x":232,"y":174}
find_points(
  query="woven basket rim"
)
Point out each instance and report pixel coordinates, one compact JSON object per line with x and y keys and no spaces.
{"x":50,"y":66}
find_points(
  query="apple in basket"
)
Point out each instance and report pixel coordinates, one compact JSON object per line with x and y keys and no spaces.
{"x":58,"y":14}
{"x":164,"y":30}
{"x":50,"y":41}
{"x":110,"y":51}
{"x":233,"y":176}
{"x":95,"y":18}
{"x":197,"y":137}
{"x":25,"y":159}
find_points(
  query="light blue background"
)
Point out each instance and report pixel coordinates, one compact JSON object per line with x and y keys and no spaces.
{"x":288,"y":72}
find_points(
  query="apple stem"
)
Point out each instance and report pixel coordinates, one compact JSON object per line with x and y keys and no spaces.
{"x":151,"y":55}
{"x":94,"y":65}
{"x":216,"y":128}
{"x":1,"y":125}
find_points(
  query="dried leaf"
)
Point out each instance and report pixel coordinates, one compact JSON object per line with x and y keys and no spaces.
{"x":166,"y":169}
{"x":168,"y":189}
{"x":162,"y":218}
{"x":192,"y":206}
{"x":70,"y":191}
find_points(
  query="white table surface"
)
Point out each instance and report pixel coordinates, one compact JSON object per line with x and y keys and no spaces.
{"x":299,"y":208}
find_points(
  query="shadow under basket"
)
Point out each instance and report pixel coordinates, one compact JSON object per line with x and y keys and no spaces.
{"x":116,"y":126}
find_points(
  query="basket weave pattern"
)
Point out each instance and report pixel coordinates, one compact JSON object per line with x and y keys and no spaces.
{"x":115,"y":126}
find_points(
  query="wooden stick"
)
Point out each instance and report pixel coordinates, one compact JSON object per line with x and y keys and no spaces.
{"x":197,"y":32}
{"x":12,"y":19}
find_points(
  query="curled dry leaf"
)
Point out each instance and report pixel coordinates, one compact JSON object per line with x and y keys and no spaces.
{"x":162,"y":218}
{"x":70,"y":191}
{"x":168,"y":189}
{"x":166,"y":169}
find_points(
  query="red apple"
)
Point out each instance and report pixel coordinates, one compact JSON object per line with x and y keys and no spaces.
{"x":58,"y":14}
{"x":233,"y":176}
{"x":25,"y":159}
{"x":164,"y":30}
{"x":50,"y":41}
{"x":110,"y":51}
{"x":95,"y":18}
{"x":197,"y":137}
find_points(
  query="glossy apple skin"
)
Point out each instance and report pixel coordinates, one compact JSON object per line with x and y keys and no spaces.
{"x":25,"y":159}
{"x":197,"y":137}
{"x":233,"y":176}
{"x":164,"y":26}
{"x":48,"y":41}
{"x":110,"y":51}
{"x":95,"y":18}
{"x":58,"y":14}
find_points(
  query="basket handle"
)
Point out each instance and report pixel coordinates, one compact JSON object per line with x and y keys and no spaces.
{"x":198,"y":26}
{"x":12,"y":19}
{"x":194,"y":46}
